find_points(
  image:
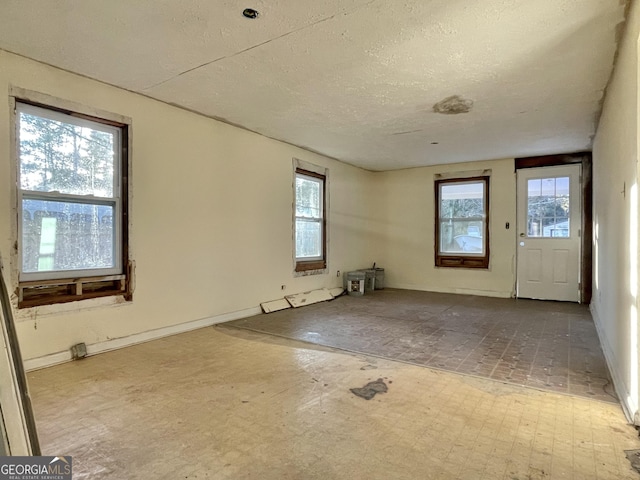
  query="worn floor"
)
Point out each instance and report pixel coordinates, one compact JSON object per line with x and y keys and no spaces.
{"x":226,"y":403}
{"x":548,"y":345}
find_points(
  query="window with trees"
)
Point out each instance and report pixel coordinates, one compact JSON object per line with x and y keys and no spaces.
{"x":310,"y":223}
{"x":462,"y":222}
{"x":548,"y":207}
{"x":72,"y":199}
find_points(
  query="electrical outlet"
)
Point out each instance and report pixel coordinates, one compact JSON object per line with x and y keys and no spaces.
{"x":338,"y":274}
{"x":283,"y":287}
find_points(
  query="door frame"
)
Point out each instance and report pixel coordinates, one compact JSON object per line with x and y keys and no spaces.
{"x":18,"y":434}
{"x":586,"y":222}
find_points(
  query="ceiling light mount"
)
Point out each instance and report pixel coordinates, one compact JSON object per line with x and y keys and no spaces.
{"x":250,"y":13}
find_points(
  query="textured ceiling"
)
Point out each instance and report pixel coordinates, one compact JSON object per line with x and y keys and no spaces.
{"x":356,"y":80}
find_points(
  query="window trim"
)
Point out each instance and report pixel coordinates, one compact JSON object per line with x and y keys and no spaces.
{"x":67,"y":286}
{"x":459,"y":260}
{"x":315,"y":263}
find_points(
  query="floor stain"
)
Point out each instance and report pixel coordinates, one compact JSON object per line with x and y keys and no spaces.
{"x":634,"y":457}
{"x":370,"y":389}
{"x":368,"y":367}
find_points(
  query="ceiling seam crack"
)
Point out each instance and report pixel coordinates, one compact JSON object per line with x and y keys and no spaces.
{"x":211,"y":62}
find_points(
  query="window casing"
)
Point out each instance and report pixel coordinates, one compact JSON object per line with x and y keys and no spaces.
{"x":310,"y":221}
{"x":72,"y":206}
{"x":462,"y":222}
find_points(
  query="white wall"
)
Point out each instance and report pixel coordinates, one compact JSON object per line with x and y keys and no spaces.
{"x":211,"y":218}
{"x":211,"y":221}
{"x":407,"y":200}
{"x":615,"y":162}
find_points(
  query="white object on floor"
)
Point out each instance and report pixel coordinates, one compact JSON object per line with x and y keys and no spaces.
{"x":336,"y":292}
{"x":308,"y":298}
{"x":275,"y":305}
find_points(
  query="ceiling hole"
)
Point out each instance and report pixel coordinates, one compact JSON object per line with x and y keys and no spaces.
{"x":250,"y":13}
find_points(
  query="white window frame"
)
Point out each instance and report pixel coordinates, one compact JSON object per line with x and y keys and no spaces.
{"x":115,"y":201}
{"x":319,"y":219}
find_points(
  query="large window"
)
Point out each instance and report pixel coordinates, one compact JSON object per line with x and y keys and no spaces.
{"x":462,"y":222}
{"x":310,"y":225}
{"x":72,"y":206}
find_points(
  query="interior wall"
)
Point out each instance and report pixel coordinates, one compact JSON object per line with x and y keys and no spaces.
{"x":407,"y":198}
{"x":211,"y":217}
{"x":615,"y":206}
{"x":211,"y":220}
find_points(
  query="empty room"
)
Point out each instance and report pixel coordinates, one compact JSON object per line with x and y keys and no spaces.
{"x":320,"y":240}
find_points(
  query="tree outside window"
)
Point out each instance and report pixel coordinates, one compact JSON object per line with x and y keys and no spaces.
{"x":462,"y":210}
{"x":70,"y":192}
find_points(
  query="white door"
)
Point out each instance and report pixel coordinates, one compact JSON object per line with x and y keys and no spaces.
{"x":549,"y":213}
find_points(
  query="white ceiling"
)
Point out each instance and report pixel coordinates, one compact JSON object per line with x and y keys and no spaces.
{"x":356,"y":80}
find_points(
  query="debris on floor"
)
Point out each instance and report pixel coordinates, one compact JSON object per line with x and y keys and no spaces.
{"x":370,"y":389}
{"x":308,"y":298}
{"x":634,"y":457}
{"x":301,"y":299}
{"x":368,"y":367}
{"x":336,"y":292}
{"x":275,"y":305}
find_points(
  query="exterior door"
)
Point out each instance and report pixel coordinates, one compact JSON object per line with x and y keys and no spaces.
{"x":549,"y":215}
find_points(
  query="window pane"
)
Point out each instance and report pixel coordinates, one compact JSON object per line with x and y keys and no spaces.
{"x":461,"y":236}
{"x":308,"y":197}
{"x":462,"y":200}
{"x":535,"y":187}
{"x":548,"y":207}
{"x":58,"y":236}
{"x":562,"y":186}
{"x":64,"y":157}
{"x":558,"y":228}
{"x":308,"y":239}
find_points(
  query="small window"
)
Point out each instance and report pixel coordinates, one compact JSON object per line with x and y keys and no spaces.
{"x":72,"y":206}
{"x":462,"y":222}
{"x":548,"y":207}
{"x":310,"y":225}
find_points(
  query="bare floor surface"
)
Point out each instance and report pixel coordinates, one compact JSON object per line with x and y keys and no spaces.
{"x":224,"y":403}
{"x":548,"y":345}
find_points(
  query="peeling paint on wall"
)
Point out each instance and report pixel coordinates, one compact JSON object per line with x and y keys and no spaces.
{"x":453,"y":105}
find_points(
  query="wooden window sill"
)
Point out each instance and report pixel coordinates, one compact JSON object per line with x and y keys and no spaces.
{"x":48,"y":292}
{"x":315,"y":265}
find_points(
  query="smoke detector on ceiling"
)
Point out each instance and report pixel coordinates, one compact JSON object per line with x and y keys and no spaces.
{"x":250,"y":13}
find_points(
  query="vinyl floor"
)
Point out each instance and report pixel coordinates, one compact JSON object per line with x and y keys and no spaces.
{"x":229,"y":404}
{"x":552,"y":346}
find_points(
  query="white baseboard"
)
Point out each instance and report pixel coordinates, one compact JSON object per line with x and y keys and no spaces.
{"x":116,"y":343}
{"x":459,"y":291}
{"x":629,"y":406}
